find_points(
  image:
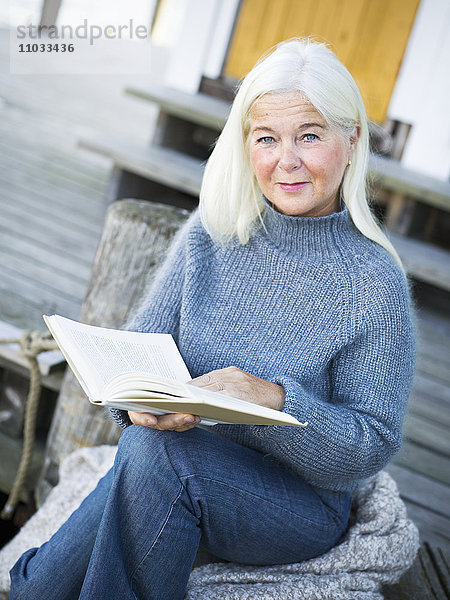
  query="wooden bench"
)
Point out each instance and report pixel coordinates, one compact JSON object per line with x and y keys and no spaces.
{"x":176,"y":178}
{"x":391,"y":175}
{"x":423,"y":261}
{"x":149,"y":172}
{"x":199,"y":109}
{"x":171,"y":169}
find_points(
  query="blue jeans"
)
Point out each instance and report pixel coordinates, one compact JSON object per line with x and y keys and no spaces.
{"x":137,"y":534}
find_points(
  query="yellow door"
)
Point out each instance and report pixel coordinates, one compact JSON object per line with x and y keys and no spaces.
{"x":369,"y":37}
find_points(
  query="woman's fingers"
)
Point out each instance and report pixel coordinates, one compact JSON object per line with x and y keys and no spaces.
{"x":170,"y":422}
{"x":145,"y":419}
{"x":177,"y":421}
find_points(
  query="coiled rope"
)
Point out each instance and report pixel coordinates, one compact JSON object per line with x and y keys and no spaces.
{"x":31,"y":343}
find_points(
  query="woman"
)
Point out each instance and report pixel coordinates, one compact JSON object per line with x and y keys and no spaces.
{"x":283,"y":291}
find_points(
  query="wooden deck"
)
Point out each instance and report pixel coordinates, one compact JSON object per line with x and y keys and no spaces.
{"x":51,"y":213}
{"x":52,"y":193}
{"x":421,"y":469}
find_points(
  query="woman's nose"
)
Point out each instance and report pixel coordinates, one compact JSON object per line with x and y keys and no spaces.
{"x":290,"y":158}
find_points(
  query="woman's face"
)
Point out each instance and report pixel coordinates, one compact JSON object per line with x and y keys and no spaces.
{"x":299,"y":161}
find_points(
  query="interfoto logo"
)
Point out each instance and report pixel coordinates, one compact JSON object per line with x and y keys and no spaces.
{"x":84,"y":31}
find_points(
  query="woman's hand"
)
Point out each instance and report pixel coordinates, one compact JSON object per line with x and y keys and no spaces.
{"x":230,"y":381}
{"x":240,"y":384}
{"x":172,"y":422}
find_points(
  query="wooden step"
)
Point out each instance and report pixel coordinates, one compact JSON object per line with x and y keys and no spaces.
{"x":168,"y":167}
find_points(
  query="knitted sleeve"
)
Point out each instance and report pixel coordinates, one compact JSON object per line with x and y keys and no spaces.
{"x":353,"y":434}
{"x":159,"y":312}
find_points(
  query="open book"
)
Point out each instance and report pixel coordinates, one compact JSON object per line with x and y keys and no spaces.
{"x":145,"y":372}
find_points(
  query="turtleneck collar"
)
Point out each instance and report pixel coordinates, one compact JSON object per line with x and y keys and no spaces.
{"x":312,"y":237}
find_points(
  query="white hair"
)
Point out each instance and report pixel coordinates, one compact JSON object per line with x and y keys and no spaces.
{"x":231,"y":201}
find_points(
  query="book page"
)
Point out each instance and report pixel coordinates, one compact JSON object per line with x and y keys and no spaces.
{"x":98,"y":354}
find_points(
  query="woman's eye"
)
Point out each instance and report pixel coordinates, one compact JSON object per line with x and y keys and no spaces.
{"x":310,"y":137}
{"x":267,"y":139}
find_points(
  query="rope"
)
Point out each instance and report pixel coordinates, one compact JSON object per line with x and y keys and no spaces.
{"x":31,"y":344}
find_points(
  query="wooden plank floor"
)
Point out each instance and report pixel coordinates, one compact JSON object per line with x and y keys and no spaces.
{"x":421,"y":469}
{"x":51,"y":213}
{"x":51,"y":192}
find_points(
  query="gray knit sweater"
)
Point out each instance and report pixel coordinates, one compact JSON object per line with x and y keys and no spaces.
{"x":310,"y":304}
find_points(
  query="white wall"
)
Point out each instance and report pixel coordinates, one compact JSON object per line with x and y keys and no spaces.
{"x":191,"y":38}
{"x":422,"y":93}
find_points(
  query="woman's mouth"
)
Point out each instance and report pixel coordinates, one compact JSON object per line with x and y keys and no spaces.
{"x":292,"y":187}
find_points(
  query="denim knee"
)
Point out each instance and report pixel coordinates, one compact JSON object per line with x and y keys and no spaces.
{"x":138,"y":442}
{"x":143,"y":451}
{"x":22,"y":587}
{"x":157,"y":454}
